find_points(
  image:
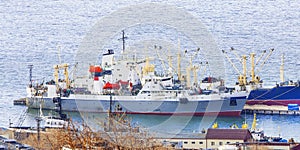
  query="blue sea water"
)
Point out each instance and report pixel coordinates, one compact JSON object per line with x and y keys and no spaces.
{"x":31,"y":32}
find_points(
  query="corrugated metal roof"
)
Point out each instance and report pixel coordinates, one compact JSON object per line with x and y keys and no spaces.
{"x":234,"y":134}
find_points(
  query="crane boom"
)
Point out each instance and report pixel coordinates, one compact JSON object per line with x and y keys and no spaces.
{"x":267,"y":57}
{"x":161,"y":59}
{"x":261,"y":56}
{"x":236,"y":55}
{"x":189,"y":68}
{"x":253,"y":128}
{"x":231,"y":62}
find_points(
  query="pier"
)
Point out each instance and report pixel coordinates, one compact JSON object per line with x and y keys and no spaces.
{"x":270,"y":110}
{"x":21,"y":101}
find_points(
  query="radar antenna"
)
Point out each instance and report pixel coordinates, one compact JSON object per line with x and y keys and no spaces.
{"x":123,"y":40}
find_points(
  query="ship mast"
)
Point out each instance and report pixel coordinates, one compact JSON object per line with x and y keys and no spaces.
{"x":244,"y":70}
{"x":178,"y":62}
{"x":188,"y":74}
{"x":195,"y":68}
{"x":169,"y":58}
{"x":252,"y":55}
{"x":282,"y":68}
{"x":30,"y":73}
{"x":123,"y":41}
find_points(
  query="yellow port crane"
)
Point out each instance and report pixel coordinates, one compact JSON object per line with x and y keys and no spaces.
{"x":242,"y":79}
{"x":66,"y":74}
{"x":148,"y":67}
{"x":191,"y":67}
{"x":253,"y":128}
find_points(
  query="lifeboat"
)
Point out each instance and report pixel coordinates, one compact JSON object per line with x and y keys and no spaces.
{"x":95,"y":69}
{"x":123,"y":83}
{"x":111,"y":86}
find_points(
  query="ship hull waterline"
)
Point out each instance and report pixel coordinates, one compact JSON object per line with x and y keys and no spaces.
{"x":219,"y":107}
{"x":282,"y":95}
{"x":273,"y":102}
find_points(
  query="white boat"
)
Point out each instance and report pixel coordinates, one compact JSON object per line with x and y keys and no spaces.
{"x":54,"y":122}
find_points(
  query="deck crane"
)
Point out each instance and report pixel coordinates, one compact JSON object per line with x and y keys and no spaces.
{"x":265,"y":60}
{"x":261,"y":56}
{"x":179,"y":62}
{"x":234,"y":52}
{"x":190,"y":67}
{"x":148,"y":68}
{"x":188,"y":74}
{"x":253,"y":128}
{"x":138,"y":61}
{"x":194,"y":69}
{"x":59,"y":66}
{"x":66,"y":74}
{"x":204,"y":71}
{"x":171,"y":69}
{"x":242,"y":79}
{"x":160,"y":58}
{"x":254,"y":78}
{"x":73,"y":71}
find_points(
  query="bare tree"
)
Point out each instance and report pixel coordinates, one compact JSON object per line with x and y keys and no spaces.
{"x":118,"y":134}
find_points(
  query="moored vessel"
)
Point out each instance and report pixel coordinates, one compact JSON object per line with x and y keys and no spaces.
{"x":131,"y":85}
{"x":284,"y":94}
{"x":287,"y":93}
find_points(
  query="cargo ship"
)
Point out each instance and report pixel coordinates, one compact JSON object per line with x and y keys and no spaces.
{"x":282,"y":94}
{"x":287,"y":93}
{"x":130,"y":85}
